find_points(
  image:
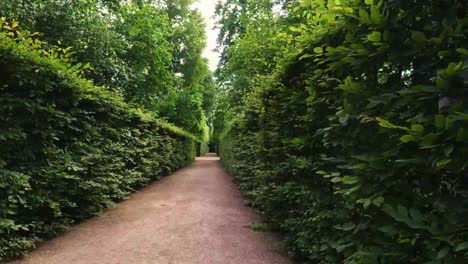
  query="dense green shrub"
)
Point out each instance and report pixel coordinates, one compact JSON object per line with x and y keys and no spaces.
{"x":68,"y":149}
{"x":356,"y":147}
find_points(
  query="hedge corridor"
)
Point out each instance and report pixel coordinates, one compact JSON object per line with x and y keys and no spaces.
{"x":69,"y":149}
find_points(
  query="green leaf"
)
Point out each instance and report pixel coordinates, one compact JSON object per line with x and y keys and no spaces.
{"x":306,"y":3}
{"x":416,"y":216}
{"x":462,"y":246}
{"x":407,"y":138}
{"x":402,"y":212}
{"x":378,"y":201}
{"x":462,"y":116}
{"x":349,"y":85}
{"x":349,"y":190}
{"x":417,"y":128}
{"x":318,"y":50}
{"x":365,"y":202}
{"x":442,"y":163}
{"x":418,"y":36}
{"x":364,"y":16}
{"x":385,"y":123}
{"x":350,"y":179}
{"x":448,"y":150}
{"x":375,"y":36}
{"x":336,"y":179}
{"x":294,"y":29}
{"x":305,"y":56}
{"x":375,"y":16}
{"x":462,"y":51}
{"x":401,"y":215}
{"x":389,"y":230}
{"x":452,"y":69}
{"x":443,"y":252}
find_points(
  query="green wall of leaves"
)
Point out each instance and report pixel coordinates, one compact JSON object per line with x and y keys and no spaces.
{"x":355,"y":146}
{"x":69,"y":149}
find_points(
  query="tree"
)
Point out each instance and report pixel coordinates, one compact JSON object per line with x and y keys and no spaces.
{"x":147,"y":51}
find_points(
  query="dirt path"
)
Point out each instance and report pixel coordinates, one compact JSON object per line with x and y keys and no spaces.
{"x":195,"y":216}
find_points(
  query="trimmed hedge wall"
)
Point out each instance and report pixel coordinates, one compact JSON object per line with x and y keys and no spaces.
{"x":356,"y":148}
{"x":68,"y":149}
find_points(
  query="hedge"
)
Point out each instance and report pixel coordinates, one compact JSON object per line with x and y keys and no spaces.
{"x":356,"y":147}
{"x":68,"y":149}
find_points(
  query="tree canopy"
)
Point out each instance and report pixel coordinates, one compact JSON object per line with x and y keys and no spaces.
{"x":147,"y":51}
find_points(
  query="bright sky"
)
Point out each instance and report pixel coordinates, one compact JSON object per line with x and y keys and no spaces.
{"x":207,"y":8}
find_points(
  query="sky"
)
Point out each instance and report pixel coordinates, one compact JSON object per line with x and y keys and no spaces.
{"x":207,"y":8}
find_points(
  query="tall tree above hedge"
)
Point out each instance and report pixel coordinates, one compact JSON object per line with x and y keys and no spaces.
{"x":147,"y":51}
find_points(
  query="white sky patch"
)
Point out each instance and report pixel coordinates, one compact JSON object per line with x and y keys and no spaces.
{"x":207,"y":9}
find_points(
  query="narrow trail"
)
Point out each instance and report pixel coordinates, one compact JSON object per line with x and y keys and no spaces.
{"x":195,"y":216}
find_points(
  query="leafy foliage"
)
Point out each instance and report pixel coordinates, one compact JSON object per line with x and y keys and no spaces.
{"x":354,"y":144}
{"x":69,"y":149}
{"x":147,"y":51}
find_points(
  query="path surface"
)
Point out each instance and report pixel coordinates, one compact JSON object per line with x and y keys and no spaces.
{"x":195,"y":216}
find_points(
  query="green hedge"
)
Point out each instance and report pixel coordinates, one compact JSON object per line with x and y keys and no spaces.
{"x":68,"y":149}
{"x":356,"y":148}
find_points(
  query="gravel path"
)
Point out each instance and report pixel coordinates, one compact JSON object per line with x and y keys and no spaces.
{"x":195,"y":216}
